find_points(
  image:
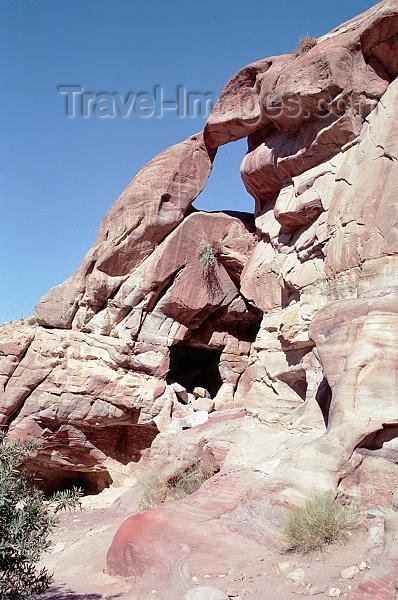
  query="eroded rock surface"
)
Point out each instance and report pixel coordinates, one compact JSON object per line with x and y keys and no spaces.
{"x":265,"y":343}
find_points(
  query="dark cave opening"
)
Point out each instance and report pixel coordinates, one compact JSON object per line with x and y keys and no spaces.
{"x":245,"y":330}
{"x":324,"y":397}
{"x":123,"y":443}
{"x":300,"y":387}
{"x":59,"y":480}
{"x":296,"y":380}
{"x":377,"y":439}
{"x":192,"y":367}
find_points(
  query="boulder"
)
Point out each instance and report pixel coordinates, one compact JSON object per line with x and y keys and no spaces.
{"x":205,"y":592}
{"x":203,"y":404}
{"x":285,"y":321}
{"x":200,"y":392}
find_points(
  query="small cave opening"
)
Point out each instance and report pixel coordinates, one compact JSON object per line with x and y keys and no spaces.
{"x":59,"y":480}
{"x":193,"y":366}
{"x":300,"y":387}
{"x":123,"y":443}
{"x":376,"y":440}
{"x":241,"y":322}
{"x":296,"y":379}
{"x":324,"y":397}
{"x":243,"y":325}
{"x":246,"y":332}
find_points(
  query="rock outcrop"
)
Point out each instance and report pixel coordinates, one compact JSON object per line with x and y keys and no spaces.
{"x":283,"y":324}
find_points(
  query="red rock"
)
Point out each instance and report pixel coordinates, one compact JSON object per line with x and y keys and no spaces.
{"x":289,"y":317}
{"x":151,"y":206}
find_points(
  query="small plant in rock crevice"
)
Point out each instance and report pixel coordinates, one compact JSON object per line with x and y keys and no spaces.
{"x":158,"y":490}
{"x":209,"y":253}
{"x":319,"y":521}
{"x":306,"y":43}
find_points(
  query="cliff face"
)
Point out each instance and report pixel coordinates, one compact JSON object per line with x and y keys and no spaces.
{"x":283,"y":324}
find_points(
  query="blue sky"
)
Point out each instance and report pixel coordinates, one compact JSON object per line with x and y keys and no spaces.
{"x":60,"y":175}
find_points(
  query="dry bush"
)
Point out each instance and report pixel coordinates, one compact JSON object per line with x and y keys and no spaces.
{"x":190,"y":480}
{"x":208,"y":255}
{"x":306,"y":43}
{"x":157,"y":490}
{"x":320,"y":520}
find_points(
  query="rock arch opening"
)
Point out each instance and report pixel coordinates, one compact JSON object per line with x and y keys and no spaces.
{"x":193,"y":366}
{"x":224,"y":189}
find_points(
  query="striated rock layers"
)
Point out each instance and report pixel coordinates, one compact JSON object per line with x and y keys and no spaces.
{"x":285,"y":322}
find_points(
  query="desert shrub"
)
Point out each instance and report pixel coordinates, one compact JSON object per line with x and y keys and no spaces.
{"x":158,"y":490}
{"x":190,"y":480}
{"x":26,"y":522}
{"x":306,"y":43}
{"x":208,"y":255}
{"x":320,"y":520}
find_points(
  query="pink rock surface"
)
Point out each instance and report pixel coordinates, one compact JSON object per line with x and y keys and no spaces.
{"x":152,"y":205}
{"x":158,"y":544}
{"x":288,"y":318}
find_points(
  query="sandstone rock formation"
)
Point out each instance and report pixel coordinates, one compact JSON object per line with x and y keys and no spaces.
{"x":285,"y":322}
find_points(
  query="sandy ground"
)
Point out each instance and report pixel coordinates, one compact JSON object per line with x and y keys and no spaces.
{"x":78,"y":561}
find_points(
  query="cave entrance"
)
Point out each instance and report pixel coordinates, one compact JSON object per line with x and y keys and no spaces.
{"x":376,"y":440}
{"x":59,"y":480}
{"x":193,"y":366}
{"x":324,"y":399}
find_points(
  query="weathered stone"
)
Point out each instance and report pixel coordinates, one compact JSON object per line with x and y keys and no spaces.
{"x":283,"y":567}
{"x":205,"y":592}
{"x":198,"y":418}
{"x":206,"y":404}
{"x":298,"y":575}
{"x":151,"y":206}
{"x":285,"y":321}
{"x":200,"y":392}
{"x":180,"y":391}
{"x":349,"y":572}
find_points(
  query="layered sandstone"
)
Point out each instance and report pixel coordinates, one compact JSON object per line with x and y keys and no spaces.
{"x":289,"y":332}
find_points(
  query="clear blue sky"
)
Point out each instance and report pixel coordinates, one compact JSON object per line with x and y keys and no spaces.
{"x":60,"y":175}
